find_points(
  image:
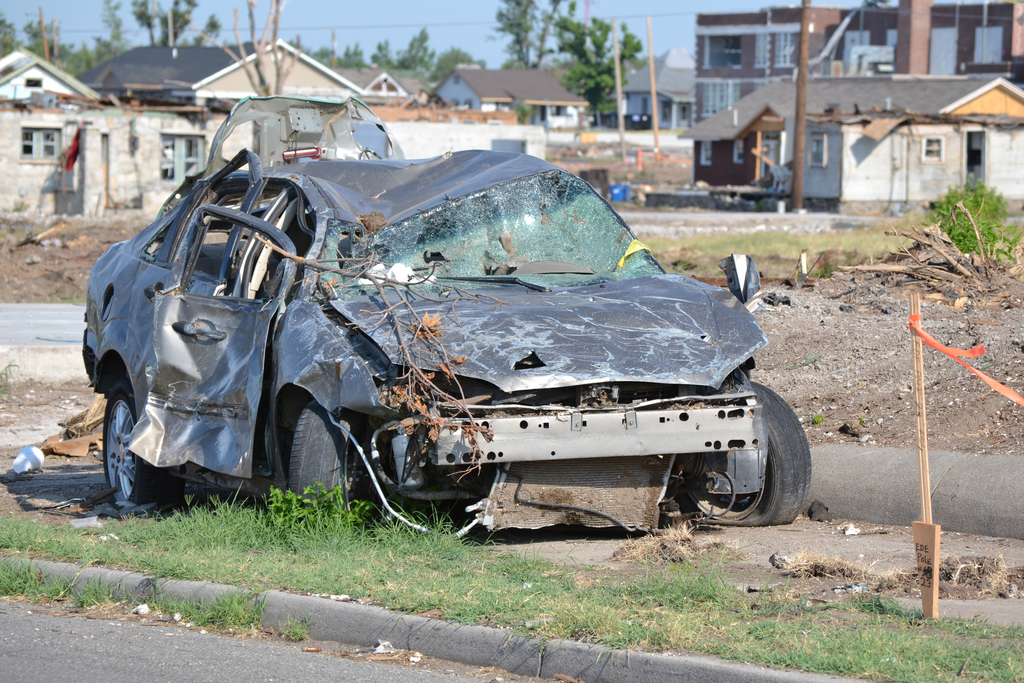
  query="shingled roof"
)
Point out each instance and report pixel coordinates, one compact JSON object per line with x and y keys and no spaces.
{"x":673,"y":73}
{"x":900,"y":93}
{"x":157,"y":68}
{"x":529,"y":86}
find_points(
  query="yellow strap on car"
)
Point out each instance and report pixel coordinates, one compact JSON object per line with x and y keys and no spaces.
{"x":634,"y":246}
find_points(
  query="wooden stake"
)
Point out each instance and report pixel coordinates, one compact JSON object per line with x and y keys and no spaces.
{"x":618,"y":89}
{"x":654,"y":90}
{"x":926,"y":534}
{"x":800,"y":123}
{"x":42,"y":29}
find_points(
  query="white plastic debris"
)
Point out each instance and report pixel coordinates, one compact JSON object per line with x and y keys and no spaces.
{"x":851,"y":530}
{"x":415,"y":658}
{"x":142,"y":610}
{"x":384,"y":648}
{"x":87,"y":523}
{"x":396,"y":273}
{"x":177,"y":616}
{"x":202,"y":631}
{"x":29,"y":459}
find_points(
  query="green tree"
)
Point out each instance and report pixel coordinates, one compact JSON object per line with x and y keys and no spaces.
{"x":591,"y":71}
{"x":449,"y":59}
{"x":528,"y":28}
{"x":417,"y":56}
{"x":8,"y":36}
{"x":211,"y":29}
{"x":352,"y":57}
{"x":382,"y":56}
{"x":181,"y":14}
{"x":34,"y":37}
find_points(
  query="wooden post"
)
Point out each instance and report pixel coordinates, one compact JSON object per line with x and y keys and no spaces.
{"x":618,"y":89}
{"x":170,"y":28}
{"x":654,"y":90}
{"x":800,"y":125}
{"x":42,"y":30}
{"x":55,"y":53}
{"x":926,"y":534}
{"x":757,"y":157}
{"x":334,"y":47}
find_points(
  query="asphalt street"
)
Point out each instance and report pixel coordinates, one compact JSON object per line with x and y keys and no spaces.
{"x":44,"y":645}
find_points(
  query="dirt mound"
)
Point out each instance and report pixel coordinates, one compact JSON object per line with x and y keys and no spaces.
{"x":979,"y":577}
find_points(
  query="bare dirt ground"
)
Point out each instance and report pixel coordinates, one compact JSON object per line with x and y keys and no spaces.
{"x":56,"y":270}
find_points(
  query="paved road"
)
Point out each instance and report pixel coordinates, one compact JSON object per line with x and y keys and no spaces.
{"x":691,"y":223}
{"x":36,"y":645}
{"x":41,"y":324}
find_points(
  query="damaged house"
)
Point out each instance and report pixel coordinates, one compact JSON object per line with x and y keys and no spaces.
{"x":872,"y":143}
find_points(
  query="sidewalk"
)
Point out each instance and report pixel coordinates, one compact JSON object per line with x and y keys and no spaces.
{"x":42,"y":342}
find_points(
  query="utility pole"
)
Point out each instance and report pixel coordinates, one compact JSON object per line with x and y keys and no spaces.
{"x":654,"y":90}
{"x":618,"y":88}
{"x":797,"y":192}
{"x":42,"y":30}
{"x":156,"y":23}
{"x":170,"y":28}
{"x":334,"y":47}
{"x":56,"y":43}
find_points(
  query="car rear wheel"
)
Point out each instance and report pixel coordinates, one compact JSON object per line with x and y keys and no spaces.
{"x":136,"y":481}
{"x":787,"y":476}
{"x":321,"y":453}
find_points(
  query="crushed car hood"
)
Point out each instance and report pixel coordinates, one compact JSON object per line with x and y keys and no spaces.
{"x":663,"y":329}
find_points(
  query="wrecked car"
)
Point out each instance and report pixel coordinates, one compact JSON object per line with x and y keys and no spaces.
{"x":480,"y":328}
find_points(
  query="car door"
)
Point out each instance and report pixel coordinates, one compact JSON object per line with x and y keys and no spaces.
{"x":210,"y":328}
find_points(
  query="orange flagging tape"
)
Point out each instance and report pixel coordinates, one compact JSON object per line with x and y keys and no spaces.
{"x":928,"y":340}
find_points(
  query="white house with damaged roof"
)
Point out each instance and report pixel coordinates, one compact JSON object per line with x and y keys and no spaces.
{"x":551,"y":105}
{"x":22,"y":74}
{"x":872,"y":143}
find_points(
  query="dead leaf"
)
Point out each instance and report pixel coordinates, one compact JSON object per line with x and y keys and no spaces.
{"x":459,"y":360}
{"x":429,"y":326}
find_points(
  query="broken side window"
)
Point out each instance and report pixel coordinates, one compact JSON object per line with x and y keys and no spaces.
{"x":550,"y":228}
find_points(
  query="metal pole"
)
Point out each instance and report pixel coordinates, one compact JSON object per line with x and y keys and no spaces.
{"x":801,"y":108}
{"x":654,"y":90}
{"x":984,"y":33}
{"x":618,"y":88}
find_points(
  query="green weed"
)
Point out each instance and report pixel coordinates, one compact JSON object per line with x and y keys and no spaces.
{"x":817,"y":419}
{"x":296,"y":629}
{"x":988,"y":208}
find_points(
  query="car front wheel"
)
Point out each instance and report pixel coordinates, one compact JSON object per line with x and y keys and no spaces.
{"x":137,"y":482}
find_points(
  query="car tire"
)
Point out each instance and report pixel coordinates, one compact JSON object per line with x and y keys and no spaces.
{"x":787,"y":476}
{"x":137,"y":482}
{"x":321,"y":454}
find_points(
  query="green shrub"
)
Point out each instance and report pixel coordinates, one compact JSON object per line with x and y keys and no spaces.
{"x":319,"y":508}
{"x":988,"y":208}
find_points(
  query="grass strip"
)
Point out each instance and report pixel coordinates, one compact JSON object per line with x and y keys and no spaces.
{"x":680,"y":607}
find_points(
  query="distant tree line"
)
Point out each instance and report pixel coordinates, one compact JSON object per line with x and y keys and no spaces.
{"x":540,"y":34}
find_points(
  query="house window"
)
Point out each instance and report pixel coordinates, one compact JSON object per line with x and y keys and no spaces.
{"x":785,"y":49}
{"x":722,"y":51}
{"x":180,"y":156}
{"x":737,"y":151}
{"x":819,"y":149}
{"x":933,"y":150}
{"x":891,"y":36}
{"x":719,"y":95}
{"x":40,"y":143}
{"x":705,"y":153}
{"x":761,"y":50}
{"x":33,"y":83}
{"x":988,"y":44}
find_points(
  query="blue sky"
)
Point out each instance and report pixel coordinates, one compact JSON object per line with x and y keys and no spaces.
{"x":468,"y":24}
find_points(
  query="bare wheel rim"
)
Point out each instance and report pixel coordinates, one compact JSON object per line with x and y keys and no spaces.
{"x":120,"y":461}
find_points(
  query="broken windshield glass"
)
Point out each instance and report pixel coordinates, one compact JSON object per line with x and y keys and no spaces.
{"x":549,"y":228}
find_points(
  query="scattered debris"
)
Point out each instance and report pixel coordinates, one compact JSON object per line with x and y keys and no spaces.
{"x":676,"y":544}
{"x":29,"y":459}
{"x":851,"y":530}
{"x":851,"y":588}
{"x":78,"y":447}
{"x":373,"y":221}
{"x":780,"y":559}
{"x":86,"y":422}
{"x":774,"y":299}
{"x":142,"y":610}
{"x":312,"y":649}
{"x":384,"y":648}
{"x":87,"y":523}
{"x":818,"y":512}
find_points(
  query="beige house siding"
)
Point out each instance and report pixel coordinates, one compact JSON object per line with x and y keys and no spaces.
{"x":304,"y":80}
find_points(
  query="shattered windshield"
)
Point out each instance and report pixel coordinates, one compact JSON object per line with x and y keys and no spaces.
{"x":550,"y":229}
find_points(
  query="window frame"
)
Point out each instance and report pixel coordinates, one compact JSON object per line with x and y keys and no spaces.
{"x":705,"y":152}
{"x":39,"y":143}
{"x":785,"y":49}
{"x":762,"y":51}
{"x":738,"y":51}
{"x":180,"y":163}
{"x":823,"y":138}
{"x":925,"y":159}
{"x":719,"y":95}
{"x":737,"y":151}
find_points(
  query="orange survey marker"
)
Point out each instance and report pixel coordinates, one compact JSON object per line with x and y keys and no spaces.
{"x":928,"y":340}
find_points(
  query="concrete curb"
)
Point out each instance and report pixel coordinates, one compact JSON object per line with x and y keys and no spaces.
{"x":971,"y":493}
{"x":364,"y":625}
{"x":50,"y":364}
